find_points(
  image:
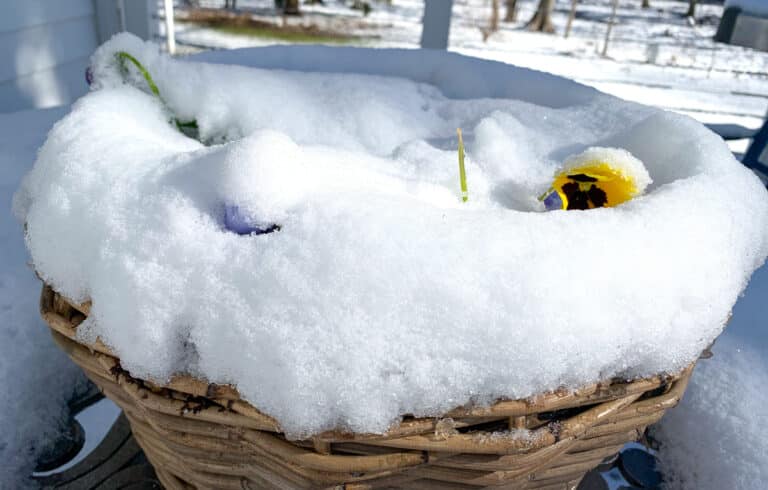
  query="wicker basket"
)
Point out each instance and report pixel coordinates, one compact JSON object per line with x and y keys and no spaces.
{"x":200,"y":435}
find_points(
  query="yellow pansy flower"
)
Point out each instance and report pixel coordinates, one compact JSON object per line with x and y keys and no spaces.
{"x":598,"y":177}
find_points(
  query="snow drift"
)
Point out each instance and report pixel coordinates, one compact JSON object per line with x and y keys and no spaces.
{"x":382,"y":294}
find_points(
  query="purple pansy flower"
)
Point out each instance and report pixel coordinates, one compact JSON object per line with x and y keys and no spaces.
{"x":239,"y":222}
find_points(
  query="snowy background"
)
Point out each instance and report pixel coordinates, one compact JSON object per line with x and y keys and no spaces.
{"x":656,"y":56}
{"x":715,"y":439}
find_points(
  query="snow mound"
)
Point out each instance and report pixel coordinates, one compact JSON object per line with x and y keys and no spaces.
{"x":620,"y":160}
{"x":382,"y":293}
{"x":716,"y":438}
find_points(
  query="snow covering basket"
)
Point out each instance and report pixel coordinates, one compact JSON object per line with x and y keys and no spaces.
{"x":202,"y":435}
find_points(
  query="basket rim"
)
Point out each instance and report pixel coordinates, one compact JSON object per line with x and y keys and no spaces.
{"x":606,"y":397}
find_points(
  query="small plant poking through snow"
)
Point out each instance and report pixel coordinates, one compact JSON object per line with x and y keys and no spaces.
{"x":187,"y":127}
{"x":462,"y":170}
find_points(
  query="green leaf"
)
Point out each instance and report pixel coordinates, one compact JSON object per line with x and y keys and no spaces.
{"x":462,"y":171}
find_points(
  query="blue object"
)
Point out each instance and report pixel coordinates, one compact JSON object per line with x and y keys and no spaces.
{"x":237,"y":221}
{"x":732,"y":131}
{"x":593,"y":481}
{"x":553,"y":201}
{"x":89,"y":76}
{"x":752,"y":158}
{"x":640,"y":468}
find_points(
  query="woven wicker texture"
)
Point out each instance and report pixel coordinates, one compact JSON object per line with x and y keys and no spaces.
{"x":200,"y":435}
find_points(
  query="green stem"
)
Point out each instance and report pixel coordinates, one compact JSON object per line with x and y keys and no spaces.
{"x":123,"y":56}
{"x":188,"y":124}
{"x":462,"y":171}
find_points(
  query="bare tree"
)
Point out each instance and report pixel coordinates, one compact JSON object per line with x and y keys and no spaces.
{"x":611,"y":21}
{"x":691,"y":8}
{"x":493,"y":23}
{"x":291,"y":7}
{"x":571,"y":16}
{"x":511,"y":15}
{"x":646,"y":4}
{"x":542,"y":19}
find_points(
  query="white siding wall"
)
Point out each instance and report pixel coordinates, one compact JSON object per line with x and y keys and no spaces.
{"x":44,"y":50}
{"x":45,"y":46}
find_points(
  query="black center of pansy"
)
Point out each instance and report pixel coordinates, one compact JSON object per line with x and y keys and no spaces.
{"x":582,"y":178}
{"x":579,"y":198}
{"x":597,"y":196}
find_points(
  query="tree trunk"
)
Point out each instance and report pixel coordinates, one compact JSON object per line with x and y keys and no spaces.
{"x":646,"y":4}
{"x":571,"y":16}
{"x":511,"y":11}
{"x":494,"y":23}
{"x":610,"y":27}
{"x":542,"y":19}
{"x":291,"y":7}
{"x":691,"y":8}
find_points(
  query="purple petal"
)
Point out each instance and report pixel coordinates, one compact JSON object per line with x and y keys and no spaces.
{"x":239,"y":222}
{"x":553,"y":201}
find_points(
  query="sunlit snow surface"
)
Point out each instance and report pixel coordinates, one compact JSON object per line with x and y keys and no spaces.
{"x":718,"y":436}
{"x":383,"y":294}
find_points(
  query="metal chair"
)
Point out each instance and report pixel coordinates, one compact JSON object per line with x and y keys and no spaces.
{"x":756,"y":157}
